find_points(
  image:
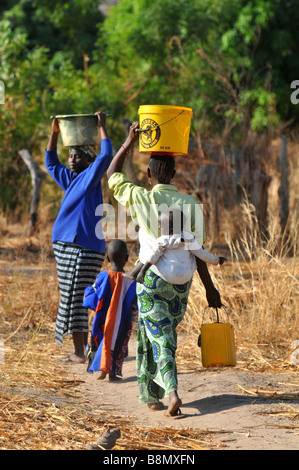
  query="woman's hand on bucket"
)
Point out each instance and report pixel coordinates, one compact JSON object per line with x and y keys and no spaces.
{"x":119,"y":159}
{"x":52,"y":143}
{"x":101,"y":118}
{"x":55,"y":126}
{"x":133,"y":135}
{"x":212,"y":294}
{"x":213,"y":297}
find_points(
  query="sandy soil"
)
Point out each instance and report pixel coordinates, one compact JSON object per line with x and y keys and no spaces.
{"x":212,"y":400}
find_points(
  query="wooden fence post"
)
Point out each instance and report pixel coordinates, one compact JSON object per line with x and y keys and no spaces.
{"x":283,"y":190}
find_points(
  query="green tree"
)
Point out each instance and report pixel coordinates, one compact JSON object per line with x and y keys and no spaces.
{"x":44,"y":53}
{"x":220,"y":58}
{"x":69,"y":27}
{"x":232,"y":62}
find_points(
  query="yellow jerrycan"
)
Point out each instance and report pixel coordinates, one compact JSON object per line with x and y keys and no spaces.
{"x":217,"y":343}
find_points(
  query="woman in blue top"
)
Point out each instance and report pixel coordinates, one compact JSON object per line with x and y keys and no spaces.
{"x":77,"y":236}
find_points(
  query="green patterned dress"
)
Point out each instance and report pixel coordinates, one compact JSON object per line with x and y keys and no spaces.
{"x":161,"y":308}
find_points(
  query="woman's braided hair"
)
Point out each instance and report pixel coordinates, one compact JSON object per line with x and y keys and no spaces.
{"x":161,"y":167}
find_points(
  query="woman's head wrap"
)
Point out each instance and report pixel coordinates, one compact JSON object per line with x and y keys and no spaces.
{"x":89,"y":150}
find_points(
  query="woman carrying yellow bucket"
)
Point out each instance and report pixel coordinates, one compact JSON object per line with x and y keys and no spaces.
{"x":161,"y":305}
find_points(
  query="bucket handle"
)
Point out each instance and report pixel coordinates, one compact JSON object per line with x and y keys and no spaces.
{"x":156,"y":127}
{"x":216,"y":313}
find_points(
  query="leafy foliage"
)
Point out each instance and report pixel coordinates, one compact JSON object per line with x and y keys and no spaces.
{"x":232,"y":62}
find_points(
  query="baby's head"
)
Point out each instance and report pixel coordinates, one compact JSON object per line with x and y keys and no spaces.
{"x":117,"y":253}
{"x":171,"y":221}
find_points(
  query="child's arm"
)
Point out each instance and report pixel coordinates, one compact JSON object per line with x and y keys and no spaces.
{"x":202,"y":254}
{"x":90,"y":298}
{"x":206,"y":256}
{"x":153,"y":258}
{"x":138,"y":272}
{"x":134,"y":272}
{"x":141,"y":274}
{"x":94,"y":294}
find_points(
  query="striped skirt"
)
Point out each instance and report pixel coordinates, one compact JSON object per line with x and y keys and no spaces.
{"x":77,"y":268}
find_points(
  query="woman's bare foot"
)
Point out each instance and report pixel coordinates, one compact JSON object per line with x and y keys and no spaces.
{"x":156,"y":406}
{"x":73,"y":358}
{"x":114,"y":378}
{"x":102,"y":375}
{"x":174,"y":405}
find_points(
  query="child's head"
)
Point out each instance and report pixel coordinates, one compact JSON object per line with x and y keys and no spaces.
{"x":117,"y":253}
{"x":171,"y":221}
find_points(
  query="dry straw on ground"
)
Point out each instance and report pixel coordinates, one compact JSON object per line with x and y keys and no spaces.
{"x":41,"y":406}
{"x":260,"y":288}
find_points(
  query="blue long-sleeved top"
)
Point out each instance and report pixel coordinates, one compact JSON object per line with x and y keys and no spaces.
{"x":77,"y":221}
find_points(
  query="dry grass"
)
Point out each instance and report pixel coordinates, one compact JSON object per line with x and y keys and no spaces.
{"x":259,"y":286}
{"x":42,"y":406}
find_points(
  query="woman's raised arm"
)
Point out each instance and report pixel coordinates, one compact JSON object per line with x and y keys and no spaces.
{"x":52,"y":143}
{"x":119,"y":159}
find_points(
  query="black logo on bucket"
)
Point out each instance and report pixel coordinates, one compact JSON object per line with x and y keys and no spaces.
{"x":150,"y":137}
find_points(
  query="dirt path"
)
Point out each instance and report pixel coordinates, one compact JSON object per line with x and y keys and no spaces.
{"x":212,"y":400}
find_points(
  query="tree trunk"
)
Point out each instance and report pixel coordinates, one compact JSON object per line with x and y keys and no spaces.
{"x":36,"y":180}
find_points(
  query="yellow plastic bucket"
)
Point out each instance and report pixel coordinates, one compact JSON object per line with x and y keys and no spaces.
{"x":164,"y":129}
{"x":218,"y":344}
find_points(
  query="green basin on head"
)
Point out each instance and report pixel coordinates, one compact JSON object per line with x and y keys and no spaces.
{"x":79,"y":129}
